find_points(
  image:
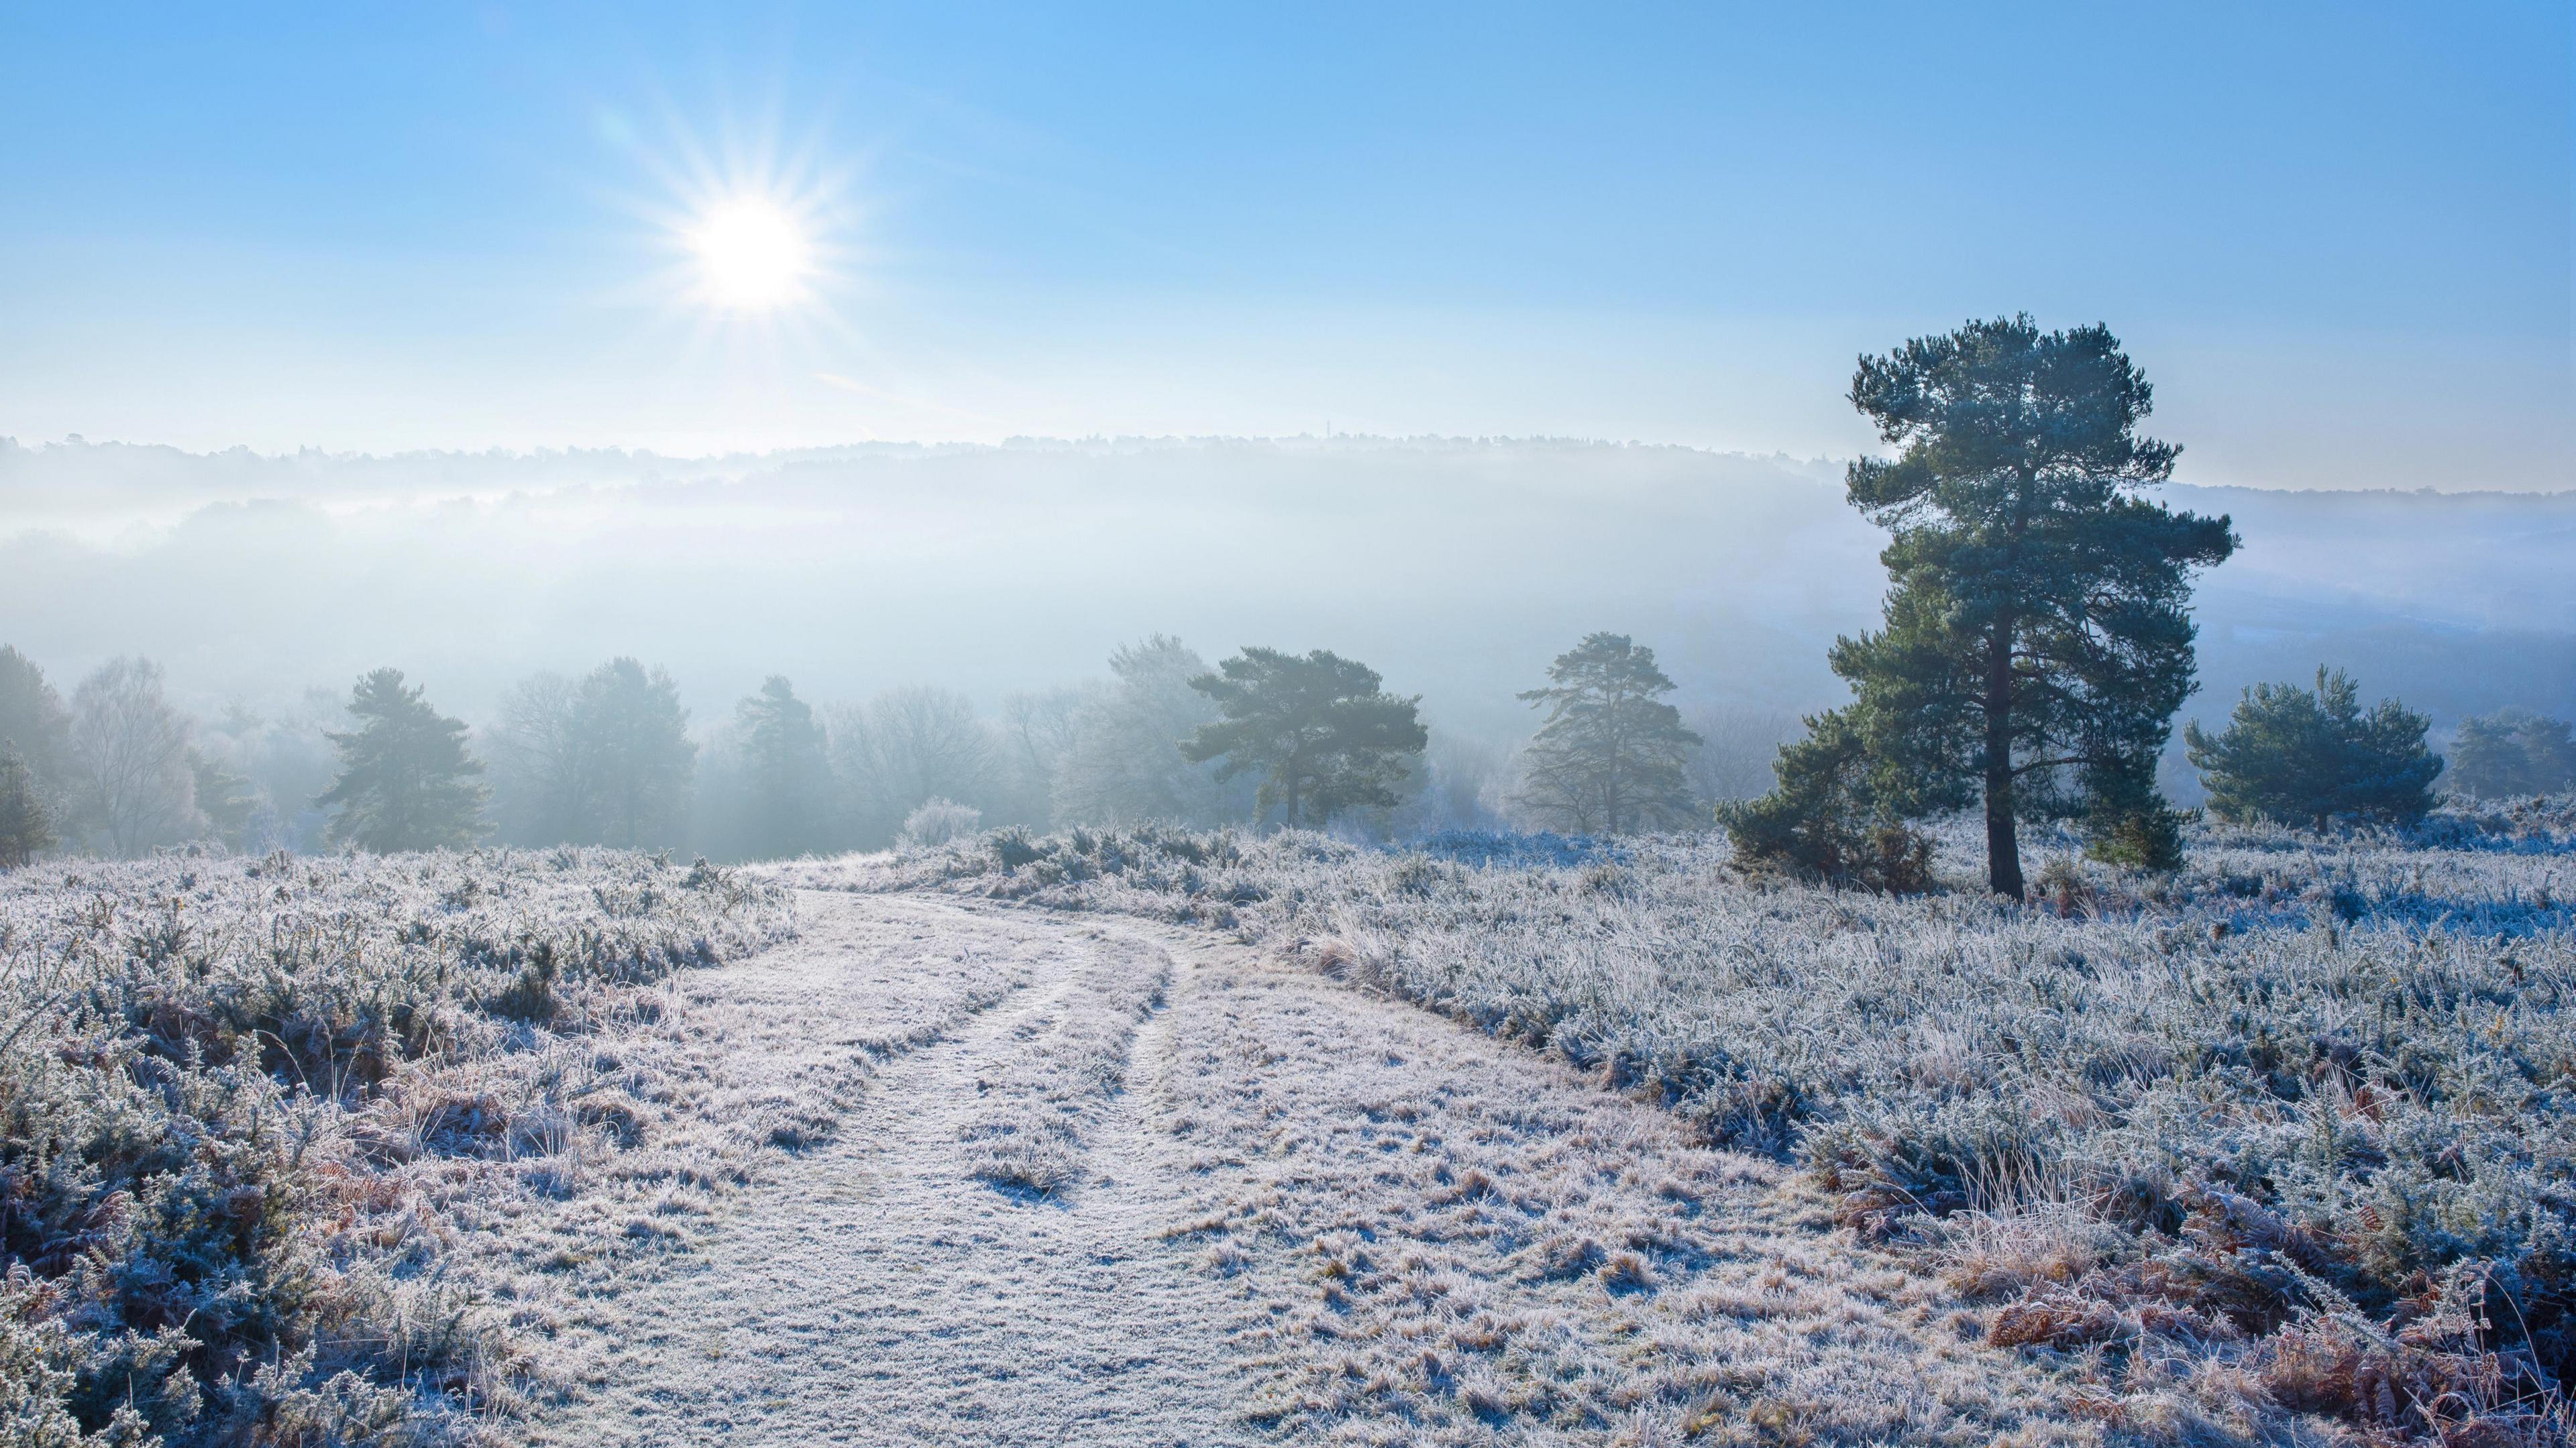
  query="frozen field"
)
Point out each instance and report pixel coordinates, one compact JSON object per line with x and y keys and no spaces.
{"x":1148,"y":1138}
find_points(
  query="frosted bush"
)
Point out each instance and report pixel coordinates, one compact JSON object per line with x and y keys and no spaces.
{"x":939,"y":821}
{"x":234,"y":1092}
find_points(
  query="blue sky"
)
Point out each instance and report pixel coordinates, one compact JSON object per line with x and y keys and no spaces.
{"x":2336,"y":237}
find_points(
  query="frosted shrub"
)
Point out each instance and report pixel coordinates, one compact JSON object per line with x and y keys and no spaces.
{"x":939,"y":821}
{"x":215,"y":1075}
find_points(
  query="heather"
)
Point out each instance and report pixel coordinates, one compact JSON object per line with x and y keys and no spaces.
{"x":258,"y":1115}
{"x":2284,"y":1133}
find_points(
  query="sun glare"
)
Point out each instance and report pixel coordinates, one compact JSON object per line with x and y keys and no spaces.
{"x":753,"y":254}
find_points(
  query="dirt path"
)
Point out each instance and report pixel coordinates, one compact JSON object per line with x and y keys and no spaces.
{"x":874,"y":1290}
{"x":1277,"y":1208}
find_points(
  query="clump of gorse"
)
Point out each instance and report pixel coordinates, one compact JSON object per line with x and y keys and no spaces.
{"x":2287,"y":1131}
{"x":248,"y":1105}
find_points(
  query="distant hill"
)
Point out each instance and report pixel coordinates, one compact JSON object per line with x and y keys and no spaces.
{"x":1458,"y":567}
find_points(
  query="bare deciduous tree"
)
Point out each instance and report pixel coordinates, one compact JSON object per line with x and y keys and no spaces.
{"x":130,"y":746}
{"x":908,"y":746}
{"x":1737,"y":744}
{"x":1038,"y":734}
{"x":538,"y":786}
{"x":1125,"y":764}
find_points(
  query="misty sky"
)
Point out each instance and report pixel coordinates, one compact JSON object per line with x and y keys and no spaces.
{"x":2336,"y":236}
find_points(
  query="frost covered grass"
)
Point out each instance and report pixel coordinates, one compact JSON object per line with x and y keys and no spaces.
{"x":2283,"y":1138}
{"x":257,"y":1116}
{"x":1436,"y":1242}
{"x":1029,"y":1136}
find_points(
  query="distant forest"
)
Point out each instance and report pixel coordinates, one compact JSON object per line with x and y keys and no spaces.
{"x":1011,"y":628}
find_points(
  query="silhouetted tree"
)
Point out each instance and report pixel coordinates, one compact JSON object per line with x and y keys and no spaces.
{"x":1036,"y":737}
{"x":406,"y":781}
{"x":603,"y":760}
{"x":224,"y":798}
{"x":2512,"y":752}
{"x":26,"y":826}
{"x":1319,"y":730}
{"x":540,"y":772}
{"x":1612,"y":753}
{"x":1121,"y":768}
{"x":33,"y":714}
{"x":1738,"y":743}
{"x":130,"y":748}
{"x":2038,"y":636}
{"x":789,"y":780}
{"x":906,"y":747}
{"x":2310,"y":757}
{"x":630,"y":736}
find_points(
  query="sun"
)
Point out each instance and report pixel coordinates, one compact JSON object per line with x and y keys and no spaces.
{"x":753,"y":254}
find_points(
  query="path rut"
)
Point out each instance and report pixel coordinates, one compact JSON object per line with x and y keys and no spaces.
{"x":874,"y":1290}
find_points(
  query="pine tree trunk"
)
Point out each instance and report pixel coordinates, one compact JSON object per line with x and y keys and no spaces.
{"x":2003,"y":841}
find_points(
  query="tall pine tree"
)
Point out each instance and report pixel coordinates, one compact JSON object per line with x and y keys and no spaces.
{"x":637,"y":761}
{"x":2038,"y":635}
{"x":26,"y":826}
{"x":32,"y":715}
{"x":1612,"y":756}
{"x":406,"y":782}
{"x":790,"y":784}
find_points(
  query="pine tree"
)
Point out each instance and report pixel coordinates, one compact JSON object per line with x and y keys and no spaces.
{"x":2038,"y":636}
{"x":790,"y":778}
{"x":1612,"y":755}
{"x":26,"y":826}
{"x":1319,"y":730}
{"x":1827,"y":815}
{"x":2512,"y":752}
{"x":637,"y":763}
{"x":224,"y":798}
{"x":2298,"y":756}
{"x":406,"y":782}
{"x":32,"y":714}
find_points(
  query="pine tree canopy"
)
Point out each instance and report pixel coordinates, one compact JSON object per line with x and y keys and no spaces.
{"x":1612,"y":755}
{"x":2512,"y":752}
{"x":406,"y":782}
{"x":791,"y":779}
{"x":32,"y":717}
{"x":2038,"y":634}
{"x":26,"y":826}
{"x":2310,"y":757}
{"x":630,"y":734}
{"x":1319,"y":730}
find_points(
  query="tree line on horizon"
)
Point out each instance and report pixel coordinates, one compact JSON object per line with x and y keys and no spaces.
{"x":1266,"y":737}
{"x":2036,"y":646}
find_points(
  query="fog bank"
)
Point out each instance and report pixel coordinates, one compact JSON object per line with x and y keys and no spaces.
{"x":1456,"y":567}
